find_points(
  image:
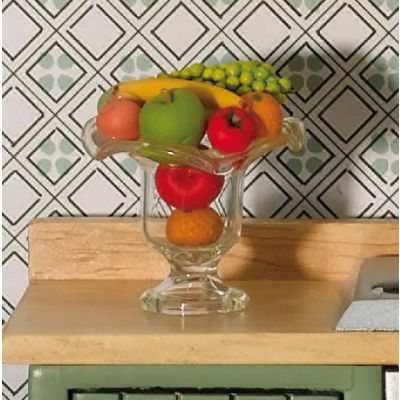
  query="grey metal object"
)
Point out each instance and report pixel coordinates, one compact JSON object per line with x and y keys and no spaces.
{"x":375,"y":306}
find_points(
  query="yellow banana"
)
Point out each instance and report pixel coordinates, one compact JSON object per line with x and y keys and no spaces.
{"x":211,"y":96}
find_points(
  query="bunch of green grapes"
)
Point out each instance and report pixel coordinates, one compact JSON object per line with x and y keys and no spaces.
{"x":241,"y":77}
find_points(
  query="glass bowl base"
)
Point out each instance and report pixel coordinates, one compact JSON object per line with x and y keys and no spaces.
{"x":193,"y":295}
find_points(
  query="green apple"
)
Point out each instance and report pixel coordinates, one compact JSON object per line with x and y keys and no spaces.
{"x":175,"y":117}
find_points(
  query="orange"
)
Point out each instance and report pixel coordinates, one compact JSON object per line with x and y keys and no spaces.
{"x":199,"y":227}
{"x":268,"y":111}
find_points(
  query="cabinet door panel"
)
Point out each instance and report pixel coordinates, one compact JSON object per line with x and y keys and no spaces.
{"x":316,"y":397}
{"x":262,"y":397}
{"x":94,"y":396}
{"x":155,"y":396}
{"x":205,"y":396}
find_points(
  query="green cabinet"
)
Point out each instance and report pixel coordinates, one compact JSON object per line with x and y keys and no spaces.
{"x":263,"y":397}
{"x":95,"y":396}
{"x":204,"y":396}
{"x":315,"y":397}
{"x":205,"y":382}
{"x":155,"y":396}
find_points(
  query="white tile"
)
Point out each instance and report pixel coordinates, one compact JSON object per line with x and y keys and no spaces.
{"x":349,"y":122}
{"x":267,"y":194}
{"x":339,"y":38}
{"x":25,"y":197}
{"x":23,"y":194}
{"x":180,"y":30}
{"x":96,"y":31}
{"x":15,"y":381}
{"x":346,"y":193}
{"x":19,"y":29}
{"x":20,"y":114}
{"x":15,"y":274}
{"x":97,"y":191}
{"x":263,"y":30}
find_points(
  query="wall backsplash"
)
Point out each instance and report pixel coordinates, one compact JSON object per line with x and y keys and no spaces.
{"x":59,"y":56}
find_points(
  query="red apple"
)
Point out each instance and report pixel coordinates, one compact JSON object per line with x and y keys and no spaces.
{"x":187,"y":188}
{"x":231,"y":129}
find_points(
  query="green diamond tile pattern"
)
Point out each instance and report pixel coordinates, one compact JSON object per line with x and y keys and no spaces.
{"x":221,"y":11}
{"x":382,"y":156}
{"x":137,"y":60}
{"x":308,"y":72}
{"x":220,"y":55}
{"x":382,"y":74}
{"x":378,"y":158}
{"x":56,"y":72}
{"x":309,"y":161}
{"x":54,"y":7}
{"x":59,"y":56}
{"x":219,"y":6}
{"x":220,"y":50}
{"x":305,"y":7}
{"x":138,"y":7}
{"x":387,"y":8}
{"x":83,"y":105}
{"x":55,"y":156}
{"x":136,"y":65}
{"x":129,"y":167}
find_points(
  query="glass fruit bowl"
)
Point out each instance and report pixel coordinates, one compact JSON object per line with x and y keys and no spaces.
{"x":192,"y":239}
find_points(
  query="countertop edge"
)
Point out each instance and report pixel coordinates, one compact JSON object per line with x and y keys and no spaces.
{"x":333,"y":348}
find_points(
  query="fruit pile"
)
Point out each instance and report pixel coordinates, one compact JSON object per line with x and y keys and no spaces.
{"x":181,"y":112}
{"x":241,"y":77}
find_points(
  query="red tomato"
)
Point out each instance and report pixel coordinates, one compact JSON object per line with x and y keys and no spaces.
{"x":231,"y":129}
{"x":187,"y":188}
{"x":119,"y":119}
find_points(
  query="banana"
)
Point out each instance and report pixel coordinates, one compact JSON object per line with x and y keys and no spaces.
{"x":211,"y":96}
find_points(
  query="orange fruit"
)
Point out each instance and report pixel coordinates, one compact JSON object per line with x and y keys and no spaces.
{"x":199,"y":227}
{"x":268,"y":111}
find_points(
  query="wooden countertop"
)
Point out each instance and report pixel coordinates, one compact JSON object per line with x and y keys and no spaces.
{"x":86,"y":276}
{"x":100,"y":322}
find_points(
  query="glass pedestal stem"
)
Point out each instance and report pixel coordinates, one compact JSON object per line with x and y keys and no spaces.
{"x":194,"y":290}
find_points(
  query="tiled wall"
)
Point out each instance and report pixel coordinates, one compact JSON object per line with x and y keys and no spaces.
{"x":59,"y":55}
